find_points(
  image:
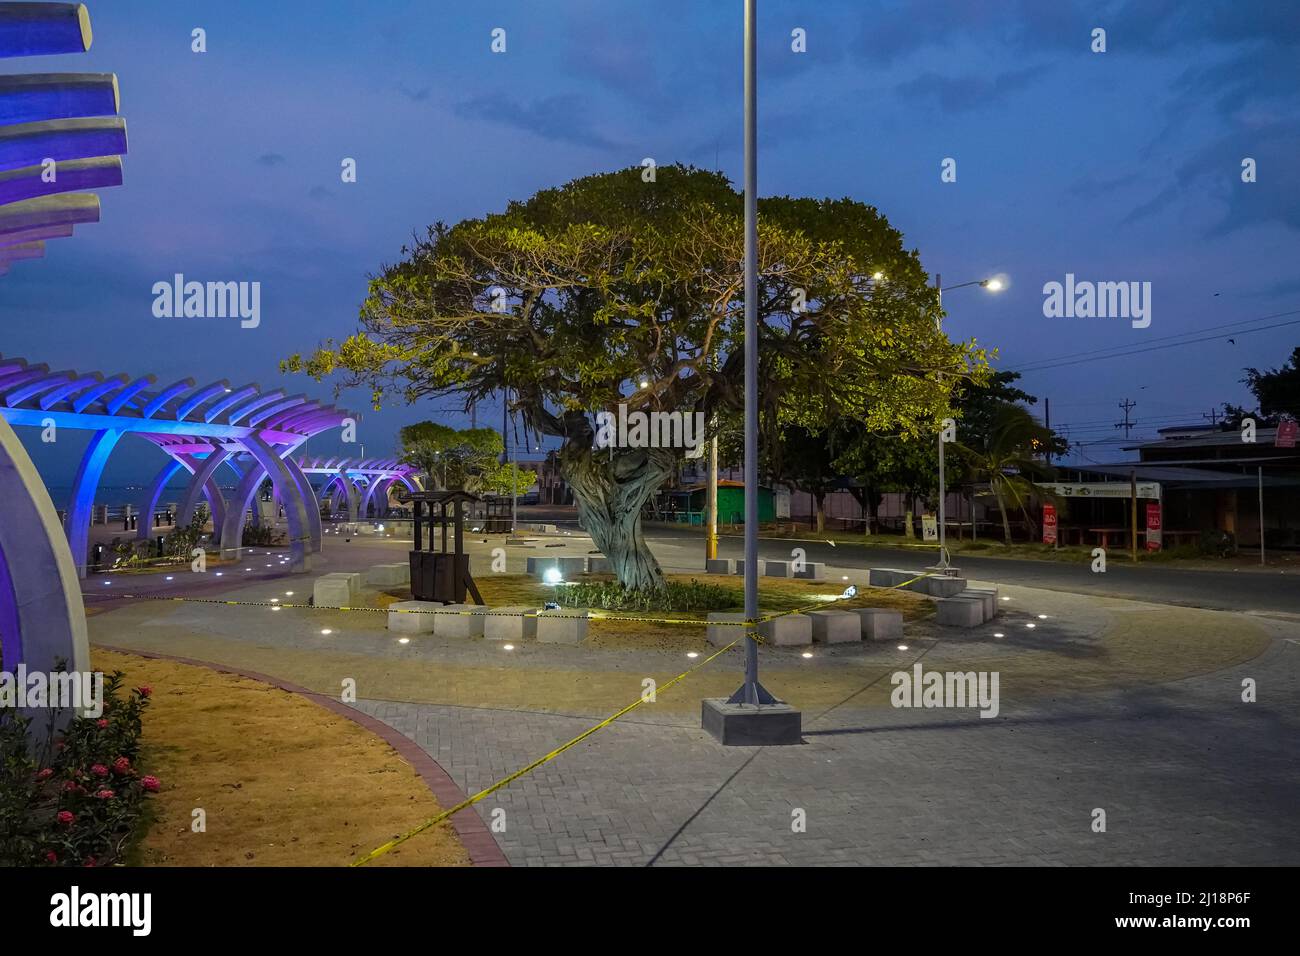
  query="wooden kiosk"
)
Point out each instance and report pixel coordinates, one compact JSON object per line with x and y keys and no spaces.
{"x":440,"y":575}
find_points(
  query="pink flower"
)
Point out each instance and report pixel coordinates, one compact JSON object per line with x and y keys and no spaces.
{"x":44,"y":774}
{"x":150,"y":783}
{"x":144,"y":690}
{"x":51,"y":857}
{"x":66,"y":817}
{"x":90,"y":861}
{"x":105,"y":794}
{"x":99,"y":770}
{"x":121,"y":765}
{"x":101,"y":723}
{"x":71,"y":785}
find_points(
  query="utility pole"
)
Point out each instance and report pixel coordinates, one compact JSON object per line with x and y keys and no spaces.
{"x":1127,"y":425}
{"x":711,"y":547}
{"x":1047,"y":423}
{"x":1213,"y":416}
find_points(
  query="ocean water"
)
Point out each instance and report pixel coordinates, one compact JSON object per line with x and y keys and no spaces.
{"x":117,"y":495}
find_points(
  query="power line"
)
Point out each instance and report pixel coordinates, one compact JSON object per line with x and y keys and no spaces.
{"x":1121,"y":351}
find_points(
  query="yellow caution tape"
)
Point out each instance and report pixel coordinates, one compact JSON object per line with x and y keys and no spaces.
{"x":504,"y":781}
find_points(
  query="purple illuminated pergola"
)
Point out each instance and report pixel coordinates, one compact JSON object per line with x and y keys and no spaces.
{"x":60,"y":134}
{"x":363,"y":483}
{"x":198,"y":428}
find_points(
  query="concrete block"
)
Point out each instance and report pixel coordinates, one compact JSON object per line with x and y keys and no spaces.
{"x":719,"y":566}
{"x":940,"y":586}
{"x":568,"y":565}
{"x":514,"y":622}
{"x":835,"y":627}
{"x":789,"y":630}
{"x":889,"y":577}
{"x":878,"y":624}
{"x":776,"y":569}
{"x":412,"y":617}
{"x":389,"y":575}
{"x":812,"y":571}
{"x":598,"y":564}
{"x":990,"y":598}
{"x":960,"y":611}
{"x":749,"y":725}
{"x":332,"y":590}
{"x":352,"y":579}
{"x":740,"y":566}
{"x":721,"y":636}
{"x":459,"y":620}
{"x":562,"y":625}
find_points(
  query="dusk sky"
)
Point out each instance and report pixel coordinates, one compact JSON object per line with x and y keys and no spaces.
{"x":1115,"y":166}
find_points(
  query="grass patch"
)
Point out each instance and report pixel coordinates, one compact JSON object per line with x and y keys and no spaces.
{"x":281,"y":781}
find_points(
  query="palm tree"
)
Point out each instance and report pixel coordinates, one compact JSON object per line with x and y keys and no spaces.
{"x":1005,"y":457}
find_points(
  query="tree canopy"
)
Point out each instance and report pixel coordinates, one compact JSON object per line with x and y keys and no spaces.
{"x":570,"y":300}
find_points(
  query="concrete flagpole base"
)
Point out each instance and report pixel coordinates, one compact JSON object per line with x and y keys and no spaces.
{"x":751,"y":725}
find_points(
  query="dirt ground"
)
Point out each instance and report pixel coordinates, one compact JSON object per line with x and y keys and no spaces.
{"x":281,"y":781}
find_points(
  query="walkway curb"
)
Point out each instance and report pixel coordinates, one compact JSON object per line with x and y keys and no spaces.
{"x":470,"y":828}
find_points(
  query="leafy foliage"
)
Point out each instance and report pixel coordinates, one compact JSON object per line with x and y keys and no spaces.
{"x":74,"y":800}
{"x":569,"y":300}
{"x":673,"y":596}
{"x":453,"y":459}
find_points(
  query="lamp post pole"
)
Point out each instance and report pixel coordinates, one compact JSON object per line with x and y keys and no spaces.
{"x":993,"y":285}
{"x":751,"y":692}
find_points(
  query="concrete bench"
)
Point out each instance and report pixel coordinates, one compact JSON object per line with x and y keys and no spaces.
{"x":960,"y":611}
{"x":567,"y":564}
{"x":412,"y":617}
{"x":776,"y":569}
{"x":835,"y":627}
{"x":389,"y":575}
{"x":990,"y":598}
{"x":759,"y":566}
{"x":878,"y":624}
{"x":719,"y":566}
{"x":514,"y":622}
{"x":940,"y":586}
{"x":562,"y":625}
{"x":812,"y":571}
{"x":889,"y":577}
{"x":336,"y":590}
{"x":598,"y":564}
{"x":721,"y":631}
{"x":459,"y":620}
{"x":788,"y":630}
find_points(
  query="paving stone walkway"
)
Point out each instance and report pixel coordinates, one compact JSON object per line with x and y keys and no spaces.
{"x":1186,"y":772}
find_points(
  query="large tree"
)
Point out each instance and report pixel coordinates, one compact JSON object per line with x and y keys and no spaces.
{"x":452,"y":458}
{"x":612,"y":289}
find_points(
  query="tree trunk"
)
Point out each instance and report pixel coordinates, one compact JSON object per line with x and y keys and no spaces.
{"x":1006,"y":525}
{"x":819,"y":507}
{"x":610,"y":487}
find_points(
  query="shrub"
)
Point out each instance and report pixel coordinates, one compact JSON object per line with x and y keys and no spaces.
{"x":263,"y":536}
{"x":674,"y":596}
{"x":73,"y":799}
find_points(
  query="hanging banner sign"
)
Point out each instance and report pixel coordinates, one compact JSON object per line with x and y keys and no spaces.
{"x":1287,"y":430}
{"x":1153,"y":526}
{"x":929,"y":528}
{"x":1103,"y":489}
{"x":1049,"y":524}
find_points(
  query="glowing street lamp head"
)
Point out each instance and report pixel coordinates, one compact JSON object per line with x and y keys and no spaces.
{"x":995,"y":283}
{"x":878,"y":276}
{"x":553,"y":576}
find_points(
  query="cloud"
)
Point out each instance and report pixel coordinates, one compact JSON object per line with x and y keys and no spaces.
{"x":562,"y":118}
{"x":318,"y":193}
{"x":959,"y":94}
{"x":415,"y":96}
{"x":271,"y":159}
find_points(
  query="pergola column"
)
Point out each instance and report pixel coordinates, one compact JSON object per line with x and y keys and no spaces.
{"x":295,"y":509}
{"x":42,"y":618}
{"x":377,"y":496}
{"x":308,"y":497}
{"x":204,"y":469}
{"x":232,"y":530}
{"x":352,"y":492}
{"x":149,"y":500}
{"x":84,"y":487}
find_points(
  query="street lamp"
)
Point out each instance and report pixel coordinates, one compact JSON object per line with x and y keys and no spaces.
{"x":992,"y":284}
